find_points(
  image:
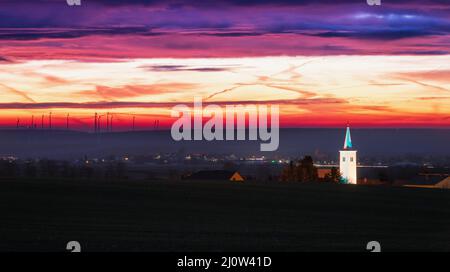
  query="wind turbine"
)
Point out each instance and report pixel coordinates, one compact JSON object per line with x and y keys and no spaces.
{"x":67,"y":122}
{"x":111,"y":122}
{"x":50,"y":120}
{"x":95,"y":122}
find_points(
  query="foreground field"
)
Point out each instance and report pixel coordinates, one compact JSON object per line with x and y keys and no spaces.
{"x":220,"y":216}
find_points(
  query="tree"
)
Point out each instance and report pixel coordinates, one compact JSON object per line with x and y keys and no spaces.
{"x":308,"y":170}
{"x":334,"y":176}
{"x":8,"y":168}
{"x":287,"y":174}
{"x":302,"y":171}
{"x":30,"y":169}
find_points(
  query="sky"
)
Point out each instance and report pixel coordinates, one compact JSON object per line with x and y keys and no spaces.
{"x":325,"y":63}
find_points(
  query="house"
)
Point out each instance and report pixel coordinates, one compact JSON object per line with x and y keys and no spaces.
{"x":236,"y":177}
{"x":434,"y":184}
{"x":215,"y":175}
{"x":443,"y":184}
{"x":322,"y":173}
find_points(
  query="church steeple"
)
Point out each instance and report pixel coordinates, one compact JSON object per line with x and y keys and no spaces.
{"x":347,"y":160}
{"x":348,"y":139}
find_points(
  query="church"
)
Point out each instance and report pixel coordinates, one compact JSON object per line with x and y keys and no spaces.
{"x":347,"y":160}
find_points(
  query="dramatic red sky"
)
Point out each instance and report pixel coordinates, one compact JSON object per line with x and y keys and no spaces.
{"x":324,"y":62}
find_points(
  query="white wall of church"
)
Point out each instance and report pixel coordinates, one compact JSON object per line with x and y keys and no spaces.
{"x":347,"y":165}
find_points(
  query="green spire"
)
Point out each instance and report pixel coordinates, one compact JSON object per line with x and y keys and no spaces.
{"x":348,"y":139}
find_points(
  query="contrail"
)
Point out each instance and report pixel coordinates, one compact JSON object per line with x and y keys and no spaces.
{"x":425,"y":84}
{"x":17,"y":92}
{"x":271,"y":81}
{"x":225,"y":91}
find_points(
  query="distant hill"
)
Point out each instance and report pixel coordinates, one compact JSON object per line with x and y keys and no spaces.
{"x":74,"y":144}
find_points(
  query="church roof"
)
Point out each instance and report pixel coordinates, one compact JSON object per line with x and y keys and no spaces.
{"x":210,"y":175}
{"x":348,"y":139}
{"x":444,"y":184}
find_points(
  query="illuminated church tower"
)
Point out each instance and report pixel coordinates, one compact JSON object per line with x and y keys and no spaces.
{"x":347,"y":160}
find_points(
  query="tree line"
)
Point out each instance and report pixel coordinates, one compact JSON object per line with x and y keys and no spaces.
{"x":304,"y":170}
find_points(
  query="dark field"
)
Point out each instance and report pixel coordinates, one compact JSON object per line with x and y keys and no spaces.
{"x":220,"y":216}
